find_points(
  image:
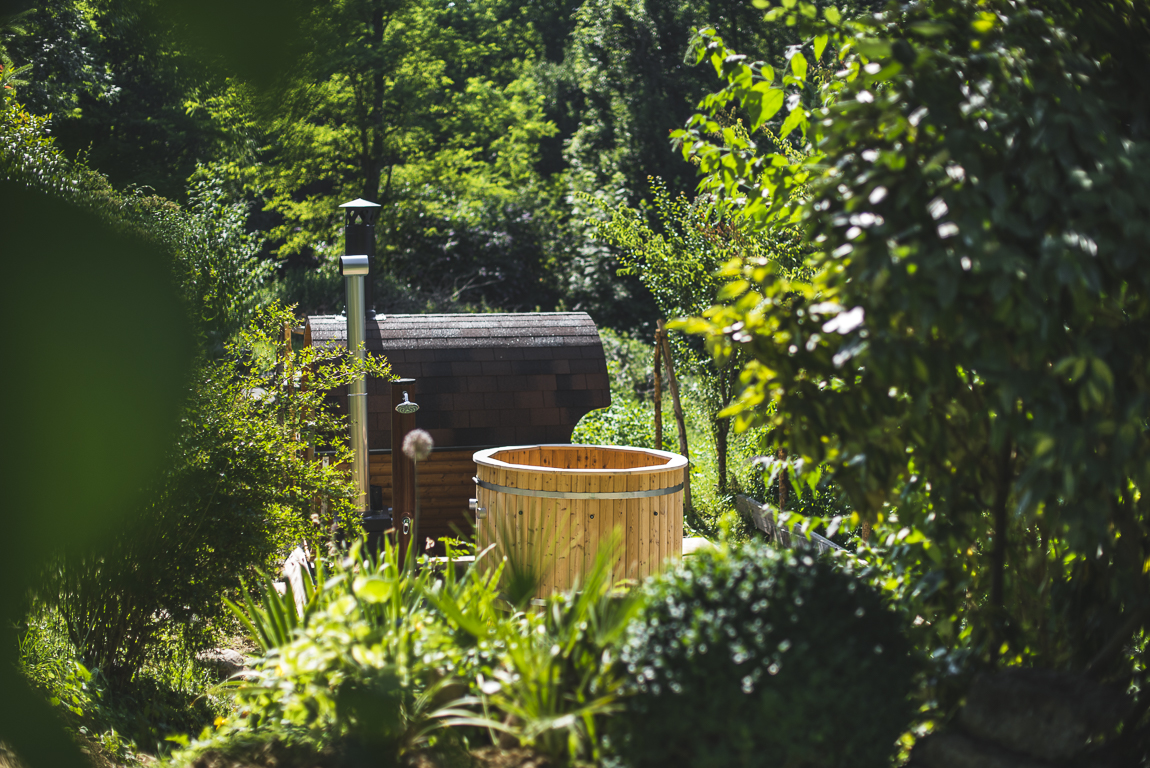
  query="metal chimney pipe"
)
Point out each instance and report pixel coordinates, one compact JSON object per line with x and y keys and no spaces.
{"x":354,"y":270}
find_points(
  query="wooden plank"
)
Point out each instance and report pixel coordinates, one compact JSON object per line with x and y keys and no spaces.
{"x":629,"y":511}
{"x":549,"y":534}
{"x":591,"y":536}
{"x":644,"y":510}
{"x":530,"y":517}
{"x":614,"y":524}
{"x":666,"y":506}
{"x":538,"y":534}
{"x":677,"y":519}
{"x":659,"y":523}
{"x":578,"y":553}
{"x":565,"y":528}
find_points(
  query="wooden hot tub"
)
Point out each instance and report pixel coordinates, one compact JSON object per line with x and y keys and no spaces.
{"x":558,"y":504}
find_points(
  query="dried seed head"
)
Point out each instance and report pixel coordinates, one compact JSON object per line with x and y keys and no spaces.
{"x":417,"y":445}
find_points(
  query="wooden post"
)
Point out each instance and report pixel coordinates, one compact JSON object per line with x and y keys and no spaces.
{"x":307,"y":344}
{"x":784,"y":485}
{"x":674,"y":385}
{"x":402,"y":468}
{"x":658,"y":391}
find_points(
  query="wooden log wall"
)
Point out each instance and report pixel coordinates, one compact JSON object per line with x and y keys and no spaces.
{"x":445,"y":485}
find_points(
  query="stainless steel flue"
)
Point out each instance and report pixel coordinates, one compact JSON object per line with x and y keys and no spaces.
{"x":355,"y":270}
{"x":359,"y":244}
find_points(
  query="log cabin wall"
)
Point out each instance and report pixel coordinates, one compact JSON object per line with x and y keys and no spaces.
{"x":482,"y":381}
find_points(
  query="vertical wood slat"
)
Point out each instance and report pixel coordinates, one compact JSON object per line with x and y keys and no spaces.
{"x":549,"y":541}
{"x":629,"y":511}
{"x":591,"y":537}
{"x":646,"y":508}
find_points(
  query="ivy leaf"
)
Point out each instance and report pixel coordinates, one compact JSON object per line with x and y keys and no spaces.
{"x":733,"y":290}
{"x":372,"y":589}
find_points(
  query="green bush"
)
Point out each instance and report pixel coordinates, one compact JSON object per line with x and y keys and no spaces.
{"x":239,"y":490}
{"x":747,"y":657}
{"x":363,"y":675}
{"x":624,"y":422}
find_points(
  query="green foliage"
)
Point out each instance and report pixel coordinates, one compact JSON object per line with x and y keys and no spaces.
{"x":90,"y":421}
{"x":213,"y":259}
{"x":386,"y":660}
{"x":745,"y":656}
{"x":115,"y":77}
{"x":172,"y":694}
{"x":963,"y":358}
{"x":552,"y":683}
{"x":240,"y":487}
{"x":274,"y":621}
{"x":624,"y":422}
{"x":624,"y":70}
{"x":365,"y":664}
{"x":630,"y":419}
{"x":680,"y":267}
{"x":428,"y":109}
{"x":366,"y":669}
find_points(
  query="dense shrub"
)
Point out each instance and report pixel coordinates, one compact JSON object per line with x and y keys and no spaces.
{"x":238,"y":490}
{"x":747,"y":657}
{"x":624,"y":422}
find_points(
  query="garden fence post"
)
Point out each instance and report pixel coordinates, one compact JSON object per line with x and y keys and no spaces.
{"x":669,"y":361}
{"x":658,"y":391}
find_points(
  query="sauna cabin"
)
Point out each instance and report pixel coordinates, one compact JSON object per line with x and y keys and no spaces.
{"x":481,"y":381}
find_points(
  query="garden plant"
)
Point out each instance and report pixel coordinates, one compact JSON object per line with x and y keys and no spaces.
{"x":900,"y":249}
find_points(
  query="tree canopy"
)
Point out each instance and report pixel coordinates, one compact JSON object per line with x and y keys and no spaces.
{"x":967,"y":357}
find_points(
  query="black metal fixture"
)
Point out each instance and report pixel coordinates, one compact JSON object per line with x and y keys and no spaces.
{"x":359,"y":238}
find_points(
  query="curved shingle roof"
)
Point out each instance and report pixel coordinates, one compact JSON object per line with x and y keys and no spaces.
{"x":484,"y":379}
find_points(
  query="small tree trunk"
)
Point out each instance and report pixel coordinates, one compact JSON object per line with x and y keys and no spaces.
{"x":725,"y":378}
{"x":658,"y":391}
{"x":669,"y":361}
{"x":722,"y":430}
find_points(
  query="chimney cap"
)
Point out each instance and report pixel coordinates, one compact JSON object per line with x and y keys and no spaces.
{"x":362,"y":210}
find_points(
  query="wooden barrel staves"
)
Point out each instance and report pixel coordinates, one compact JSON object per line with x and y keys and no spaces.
{"x":555,"y":506}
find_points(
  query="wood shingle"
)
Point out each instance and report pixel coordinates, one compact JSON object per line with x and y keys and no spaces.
{"x":484,"y":380}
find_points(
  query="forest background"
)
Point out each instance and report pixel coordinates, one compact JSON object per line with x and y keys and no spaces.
{"x":499,"y":138}
{"x":933,"y":309}
{"x":488,"y":131}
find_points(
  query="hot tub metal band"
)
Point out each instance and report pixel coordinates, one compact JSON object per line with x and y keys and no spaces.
{"x":579,"y":494}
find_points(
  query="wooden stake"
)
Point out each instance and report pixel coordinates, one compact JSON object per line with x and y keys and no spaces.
{"x":669,"y":362}
{"x":784,"y":486}
{"x":658,"y":391}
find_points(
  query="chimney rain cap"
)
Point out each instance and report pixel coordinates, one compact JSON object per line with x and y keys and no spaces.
{"x":364,"y":210}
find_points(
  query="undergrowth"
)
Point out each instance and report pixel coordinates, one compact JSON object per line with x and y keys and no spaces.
{"x":172,"y":694}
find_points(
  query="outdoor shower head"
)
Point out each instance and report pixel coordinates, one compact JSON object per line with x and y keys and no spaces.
{"x":407,"y":406}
